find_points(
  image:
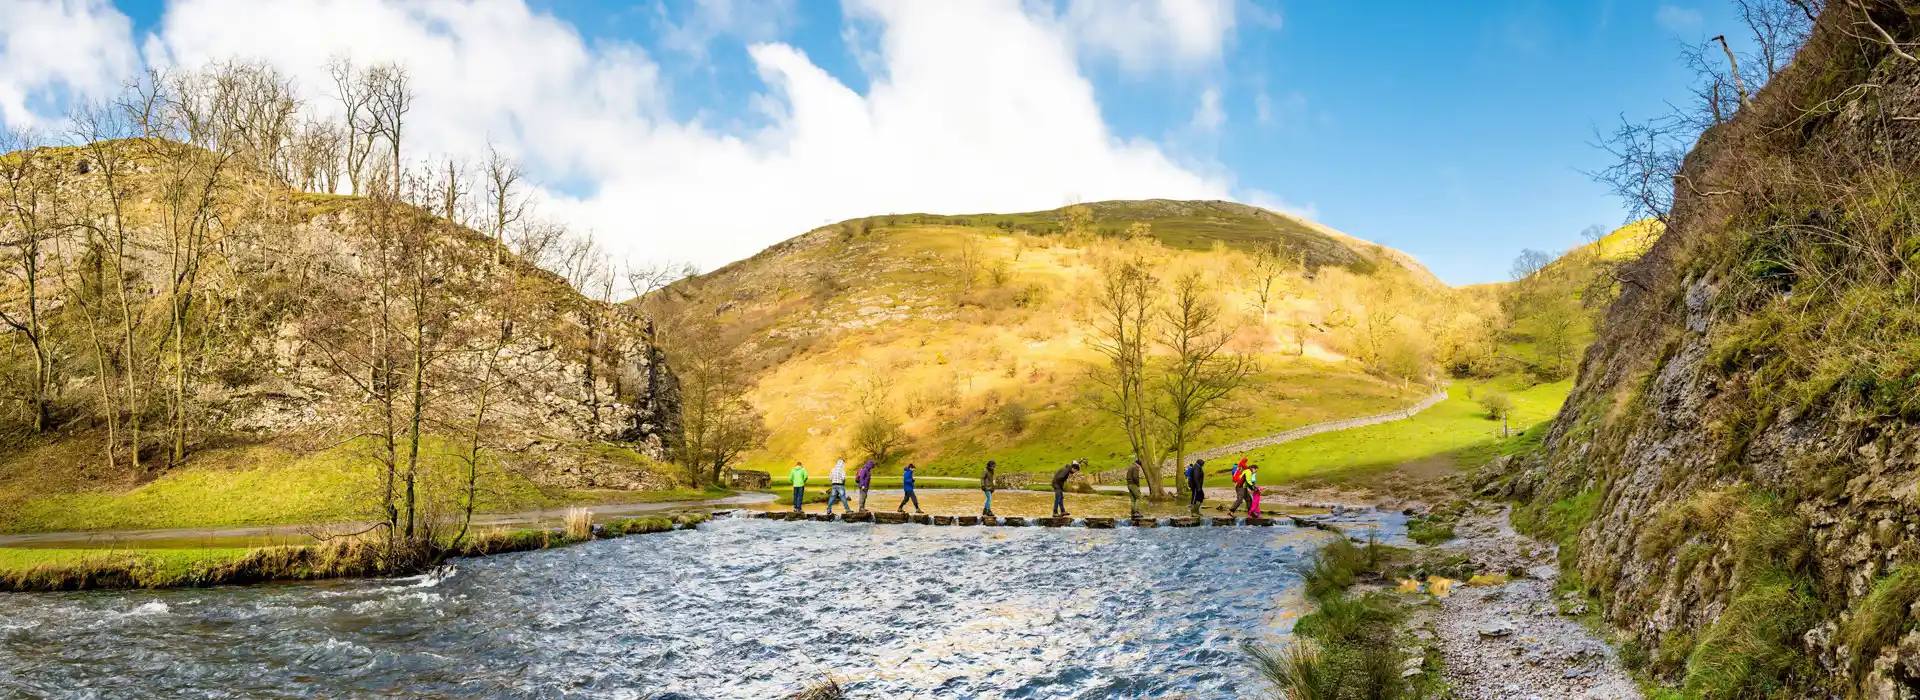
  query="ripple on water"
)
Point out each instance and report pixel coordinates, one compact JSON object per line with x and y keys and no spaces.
{"x":740,"y":608}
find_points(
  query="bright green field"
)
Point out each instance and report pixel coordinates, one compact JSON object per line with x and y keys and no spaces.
{"x":166,"y":563}
{"x":264,"y":485}
{"x":1456,"y":429}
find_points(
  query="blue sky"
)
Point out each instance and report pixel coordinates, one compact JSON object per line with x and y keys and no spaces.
{"x":1457,"y":132}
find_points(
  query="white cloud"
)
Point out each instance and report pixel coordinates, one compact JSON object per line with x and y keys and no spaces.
{"x":1208,"y":116}
{"x":55,"y":48}
{"x":1146,"y":34}
{"x":944,"y":126}
{"x":693,"y":24}
{"x":1679,"y":20}
{"x":1273,"y":202}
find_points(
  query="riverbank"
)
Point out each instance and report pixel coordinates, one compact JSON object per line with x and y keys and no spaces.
{"x":48,"y":569}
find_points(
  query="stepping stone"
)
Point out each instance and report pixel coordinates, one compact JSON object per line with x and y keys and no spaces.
{"x":1054,"y":522}
{"x":920,"y":519}
{"x":819,"y":517}
{"x":1145,"y":522}
{"x":1184,"y":522}
{"x":890,"y":518}
{"x":1260,"y":522}
{"x":1222,"y":522}
{"x":858,"y":518}
{"x":1013,"y":522}
{"x":943,"y":520}
{"x":1100,"y":523}
{"x":967,"y":520}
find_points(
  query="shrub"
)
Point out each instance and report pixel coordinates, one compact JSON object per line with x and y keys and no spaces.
{"x":1429,"y":531}
{"x":1012,"y":418}
{"x":579,"y":524}
{"x":1498,"y":403}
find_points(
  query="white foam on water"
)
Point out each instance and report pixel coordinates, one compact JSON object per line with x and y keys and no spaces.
{"x":151,"y":607}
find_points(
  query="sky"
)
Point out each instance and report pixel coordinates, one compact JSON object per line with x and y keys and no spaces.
{"x":705,"y":130}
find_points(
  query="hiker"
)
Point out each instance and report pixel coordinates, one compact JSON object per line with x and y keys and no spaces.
{"x":986,"y":487}
{"x":1240,"y":499}
{"x":798,"y":477}
{"x":906,"y":482}
{"x":1060,"y":488}
{"x":1252,"y":477}
{"x":864,"y":480}
{"x":1196,"y":477}
{"x":837,"y":487}
{"x":1133,"y":488}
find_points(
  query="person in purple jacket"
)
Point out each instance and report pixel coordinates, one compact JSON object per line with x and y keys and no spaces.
{"x":864,"y":479}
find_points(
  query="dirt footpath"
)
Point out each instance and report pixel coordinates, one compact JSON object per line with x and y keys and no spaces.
{"x":1518,"y":640}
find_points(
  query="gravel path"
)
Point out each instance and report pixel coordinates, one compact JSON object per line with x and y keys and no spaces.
{"x":1519,"y":640}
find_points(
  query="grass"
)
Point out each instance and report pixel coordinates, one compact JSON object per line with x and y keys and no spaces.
{"x":1455,"y":430}
{"x":267,"y":485}
{"x":1349,"y":646}
{"x":78,"y":569}
{"x":1883,"y":616}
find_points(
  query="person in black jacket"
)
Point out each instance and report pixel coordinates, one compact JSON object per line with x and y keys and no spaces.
{"x":1060,"y":488}
{"x":1133,"y":488}
{"x":1196,"y":477}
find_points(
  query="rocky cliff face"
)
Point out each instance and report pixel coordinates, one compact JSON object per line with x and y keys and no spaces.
{"x":302,"y":311}
{"x":1736,"y":477}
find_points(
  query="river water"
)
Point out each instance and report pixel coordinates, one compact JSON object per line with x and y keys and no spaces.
{"x":737,"y":609}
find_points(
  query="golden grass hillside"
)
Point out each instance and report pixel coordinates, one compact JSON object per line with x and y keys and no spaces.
{"x":972,"y":331}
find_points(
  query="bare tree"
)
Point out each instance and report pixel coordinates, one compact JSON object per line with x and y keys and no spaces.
{"x":1528,"y":263}
{"x":1122,"y":321}
{"x":100,"y":128}
{"x":390,"y":99}
{"x":27,"y":229}
{"x":191,"y":160}
{"x":968,"y":261}
{"x":1272,"y":264}
{"x":362,"y":128}
{"x":505,"y":202}
{"x":1202,"y":376}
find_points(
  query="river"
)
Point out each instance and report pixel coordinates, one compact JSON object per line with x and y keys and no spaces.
{"x":740,"y":608}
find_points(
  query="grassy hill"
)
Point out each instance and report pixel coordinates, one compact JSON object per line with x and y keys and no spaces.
{"x":972,"y":331}
{"x":206,"y":340}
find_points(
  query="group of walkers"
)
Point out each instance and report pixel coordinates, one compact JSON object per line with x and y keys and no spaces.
{"x":1245,"y":478}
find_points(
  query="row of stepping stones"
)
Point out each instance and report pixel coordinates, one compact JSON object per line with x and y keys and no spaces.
{"x":965,"y":520}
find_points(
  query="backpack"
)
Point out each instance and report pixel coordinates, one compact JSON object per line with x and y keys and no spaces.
{"x":1240,"y":473}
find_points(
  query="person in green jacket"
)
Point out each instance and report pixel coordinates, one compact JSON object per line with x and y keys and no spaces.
{"x":798,"y":477}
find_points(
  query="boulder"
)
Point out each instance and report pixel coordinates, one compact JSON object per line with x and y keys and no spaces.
{"x":746,"y":480}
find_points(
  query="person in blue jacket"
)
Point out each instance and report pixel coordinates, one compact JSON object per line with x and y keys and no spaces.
{"x":906,"y":482}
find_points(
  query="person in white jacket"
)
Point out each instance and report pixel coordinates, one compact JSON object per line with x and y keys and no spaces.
{"x":837,"y":487}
